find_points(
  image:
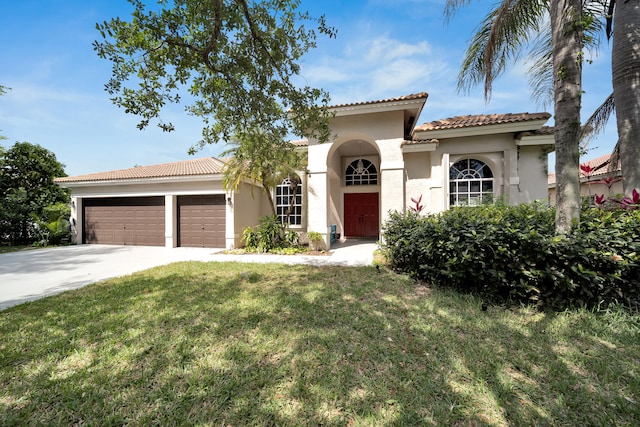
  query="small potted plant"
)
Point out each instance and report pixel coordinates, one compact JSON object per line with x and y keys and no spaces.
{"x":315,"y":240}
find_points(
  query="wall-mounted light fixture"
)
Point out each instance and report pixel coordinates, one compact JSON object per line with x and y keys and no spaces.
{"x":229,"y":200}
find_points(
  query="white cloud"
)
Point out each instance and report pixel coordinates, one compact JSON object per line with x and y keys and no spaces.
{"x":325,"y":73}
{"x":386,"y":49}
{"x":374,"y":68}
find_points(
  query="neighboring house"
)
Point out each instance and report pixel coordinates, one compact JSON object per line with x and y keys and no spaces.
{"x":377,"y":160}
{"x":593,"y":174}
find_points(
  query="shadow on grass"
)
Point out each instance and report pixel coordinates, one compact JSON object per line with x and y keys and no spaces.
{"x":231,"y":344}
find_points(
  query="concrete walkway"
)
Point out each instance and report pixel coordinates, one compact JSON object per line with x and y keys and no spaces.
{"x":33,"y":274}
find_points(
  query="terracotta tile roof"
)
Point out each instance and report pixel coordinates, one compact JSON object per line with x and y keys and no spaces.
{"x":598,"y":163}
{"x":300,"y":142}
{"x":599,"y":166}
{"x":382,"y":101}
{"x":480,"y":120}
{"x":191,"y":167}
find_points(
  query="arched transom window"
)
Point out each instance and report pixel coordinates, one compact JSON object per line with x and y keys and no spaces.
{"x":361,"y":172}
{"x":470,"y":182}
{"x":289,"y":201}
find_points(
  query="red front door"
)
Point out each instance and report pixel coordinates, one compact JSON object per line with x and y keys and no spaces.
{"x":361,"y":218}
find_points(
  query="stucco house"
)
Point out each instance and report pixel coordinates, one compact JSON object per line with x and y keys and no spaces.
{"x":595,"y":178}
{"x":377,"y":160}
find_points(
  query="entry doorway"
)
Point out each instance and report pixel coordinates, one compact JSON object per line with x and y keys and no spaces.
{"x":361,"y":216}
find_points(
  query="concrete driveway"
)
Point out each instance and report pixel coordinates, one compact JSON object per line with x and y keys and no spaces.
{"x":33,"y":274}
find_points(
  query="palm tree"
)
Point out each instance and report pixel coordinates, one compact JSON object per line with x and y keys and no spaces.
{"x":625,"y":70}
{"x":567,"y":44}
{"x":502,"y":37}
{"x":260,"y":158}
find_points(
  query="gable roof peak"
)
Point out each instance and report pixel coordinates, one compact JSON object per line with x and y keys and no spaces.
{"x":410,"y":97}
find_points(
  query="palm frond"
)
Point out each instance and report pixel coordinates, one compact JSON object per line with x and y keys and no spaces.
{"x":259,"y":157}
{"x":501,"y":39}
{"x":597,"y":122}
{"x":540,"y":72}
{"x":452,"y":6}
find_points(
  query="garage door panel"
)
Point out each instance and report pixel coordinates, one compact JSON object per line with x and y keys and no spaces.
{"x":124,"y":221}
{"x":201,"y":221}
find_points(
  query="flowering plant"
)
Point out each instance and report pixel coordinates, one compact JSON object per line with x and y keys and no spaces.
{"x":632,"y":202}
{"x":418,"y":207}
{"x":586,"y":170}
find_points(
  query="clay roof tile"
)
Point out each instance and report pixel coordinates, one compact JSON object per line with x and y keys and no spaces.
{"x":480,"y":120}
{"x":382,"y":101}
{"x":191,"y":167}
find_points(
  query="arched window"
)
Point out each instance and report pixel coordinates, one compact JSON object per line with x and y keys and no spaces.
{"x":289,"y":201}
{"x":470,"y":182}
{"x":361,"y":172}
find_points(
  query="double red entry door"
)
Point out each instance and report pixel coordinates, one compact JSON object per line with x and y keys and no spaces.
{"x":361,"y":217}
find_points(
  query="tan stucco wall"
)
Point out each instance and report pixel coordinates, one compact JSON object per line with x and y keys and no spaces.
{"x":590,"y":189}
{"x":418,"y":171}
{"x":318,"y":202}
{"x":247,"y":210}
{"x":519,"y":172}
{"x":374,"y":126}
{"x":532,"y":171}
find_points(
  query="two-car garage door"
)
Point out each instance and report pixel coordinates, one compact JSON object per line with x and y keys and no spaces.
{"x":141,"y":221}
{"x":124,"y":221}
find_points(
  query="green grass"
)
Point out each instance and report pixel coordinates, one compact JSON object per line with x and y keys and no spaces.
{"x":242,"y":344}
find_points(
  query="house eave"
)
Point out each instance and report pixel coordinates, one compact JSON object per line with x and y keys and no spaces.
{"x":419,"y":147}
{"x":138,"y":181}
{"x":381,"y":107}
{"x":481,"y":130}
{"x":535,"y":140}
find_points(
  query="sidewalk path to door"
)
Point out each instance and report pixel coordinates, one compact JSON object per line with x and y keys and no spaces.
{"x":33,"y":274}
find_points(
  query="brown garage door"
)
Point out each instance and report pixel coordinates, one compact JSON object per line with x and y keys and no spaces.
{"x":201,"y":221}
{"x":124,"y":221}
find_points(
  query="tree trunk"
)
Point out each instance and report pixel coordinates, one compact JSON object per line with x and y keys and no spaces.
{"x":267,"y":191}
{"x":567,"y":70}
{"x":625,"y":70}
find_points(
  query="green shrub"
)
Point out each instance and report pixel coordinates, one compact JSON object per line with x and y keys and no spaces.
{"x":268,"y":233}
{"x":250,"y":238}
{"x":315,"y":239}
{"x":267,"y":236}
{"x":52,"y":226}
{"x":511,"y":254}
{"x":292,"y":238}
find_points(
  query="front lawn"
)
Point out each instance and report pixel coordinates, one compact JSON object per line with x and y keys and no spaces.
{"x":244,"y":344}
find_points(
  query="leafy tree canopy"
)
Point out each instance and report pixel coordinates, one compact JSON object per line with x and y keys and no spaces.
{"x":27,"y":172}
{"x":238,"y":59}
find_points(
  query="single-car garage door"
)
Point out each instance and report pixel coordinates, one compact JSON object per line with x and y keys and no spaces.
{"x":201,"y":221}
{"x":124,"y":221}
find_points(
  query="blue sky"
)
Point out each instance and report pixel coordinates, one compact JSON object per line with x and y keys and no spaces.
{"x":383,"y":49}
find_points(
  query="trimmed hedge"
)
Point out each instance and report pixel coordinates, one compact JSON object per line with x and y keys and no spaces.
{"x":511,"y":254}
